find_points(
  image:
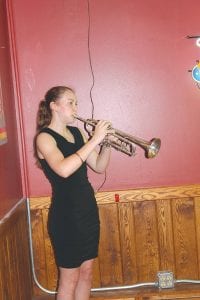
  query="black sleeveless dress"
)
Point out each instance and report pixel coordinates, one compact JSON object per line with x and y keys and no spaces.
{"x":73,"y":221}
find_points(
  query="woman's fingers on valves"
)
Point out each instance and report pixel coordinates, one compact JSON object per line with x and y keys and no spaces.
{"x":106,"y":126}
{"x":109,"y":128}
{"x":102,"y":129}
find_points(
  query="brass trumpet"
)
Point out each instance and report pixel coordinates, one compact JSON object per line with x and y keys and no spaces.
{"x":124,"y":142}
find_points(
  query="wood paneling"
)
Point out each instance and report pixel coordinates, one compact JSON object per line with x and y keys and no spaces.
{"x":165,"y":235}
{"x":146,"y":240}
{"x":128,"y":242}
{"x":15,"y":271}
{"x":184,"y":231}
{"x":147,"y":231}
{"x":110,"y":261}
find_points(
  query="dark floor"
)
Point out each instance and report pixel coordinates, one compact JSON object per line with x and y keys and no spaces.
{"x":48,"y":297}
{"x":180,"y":291}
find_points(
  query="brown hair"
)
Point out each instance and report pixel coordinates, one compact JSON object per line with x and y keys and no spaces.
{"x":44,"y":114}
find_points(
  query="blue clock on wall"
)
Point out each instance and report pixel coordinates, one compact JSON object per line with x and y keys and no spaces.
{"x":196,"y":73}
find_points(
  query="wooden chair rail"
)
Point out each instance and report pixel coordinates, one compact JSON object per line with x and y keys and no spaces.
{"x":133,"y":195}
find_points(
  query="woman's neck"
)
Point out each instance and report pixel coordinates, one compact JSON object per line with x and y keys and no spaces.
{"x":58,"y":127}
{"x":62,"y":130}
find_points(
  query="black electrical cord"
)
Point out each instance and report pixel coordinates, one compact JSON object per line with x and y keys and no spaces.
{"x":89,"y":55}
{"x":93,"y":78}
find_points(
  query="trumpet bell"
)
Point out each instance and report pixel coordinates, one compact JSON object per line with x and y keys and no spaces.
{"x":153,"y":148}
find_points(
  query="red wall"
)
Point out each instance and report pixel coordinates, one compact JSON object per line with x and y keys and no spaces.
{"x":10,"y":176}
{"x":140,"y":57}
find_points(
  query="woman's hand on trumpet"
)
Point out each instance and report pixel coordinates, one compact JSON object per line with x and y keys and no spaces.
{"x":103,"y":129}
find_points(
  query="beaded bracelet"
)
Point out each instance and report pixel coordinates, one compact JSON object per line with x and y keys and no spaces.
{"x":82,"y":161}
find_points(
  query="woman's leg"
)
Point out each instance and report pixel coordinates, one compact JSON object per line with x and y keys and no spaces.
{"x":85,"y":281}
{"x":68,"y":280}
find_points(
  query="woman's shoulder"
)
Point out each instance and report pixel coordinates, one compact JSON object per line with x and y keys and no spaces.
{"x":46,"y":130}
{"x":45,"y":135}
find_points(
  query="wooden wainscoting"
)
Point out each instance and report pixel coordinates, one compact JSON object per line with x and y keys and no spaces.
{"x":147,"y":231}
{"x":15,"y":270}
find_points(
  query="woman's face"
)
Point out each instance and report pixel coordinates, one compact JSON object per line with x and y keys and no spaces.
{"x":66,"y":106}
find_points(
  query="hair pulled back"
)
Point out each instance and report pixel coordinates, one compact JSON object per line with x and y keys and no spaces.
{"x":44,"y":114}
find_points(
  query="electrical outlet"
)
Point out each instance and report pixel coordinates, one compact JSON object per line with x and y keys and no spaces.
{"x":165,"y":279}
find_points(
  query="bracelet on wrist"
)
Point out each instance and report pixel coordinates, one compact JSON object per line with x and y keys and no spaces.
{"x":77,"y":154}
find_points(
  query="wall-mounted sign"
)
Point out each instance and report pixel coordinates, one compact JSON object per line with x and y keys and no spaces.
{"x":3,"y":134}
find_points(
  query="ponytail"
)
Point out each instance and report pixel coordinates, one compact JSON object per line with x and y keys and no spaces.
{"x":43,"y":116}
